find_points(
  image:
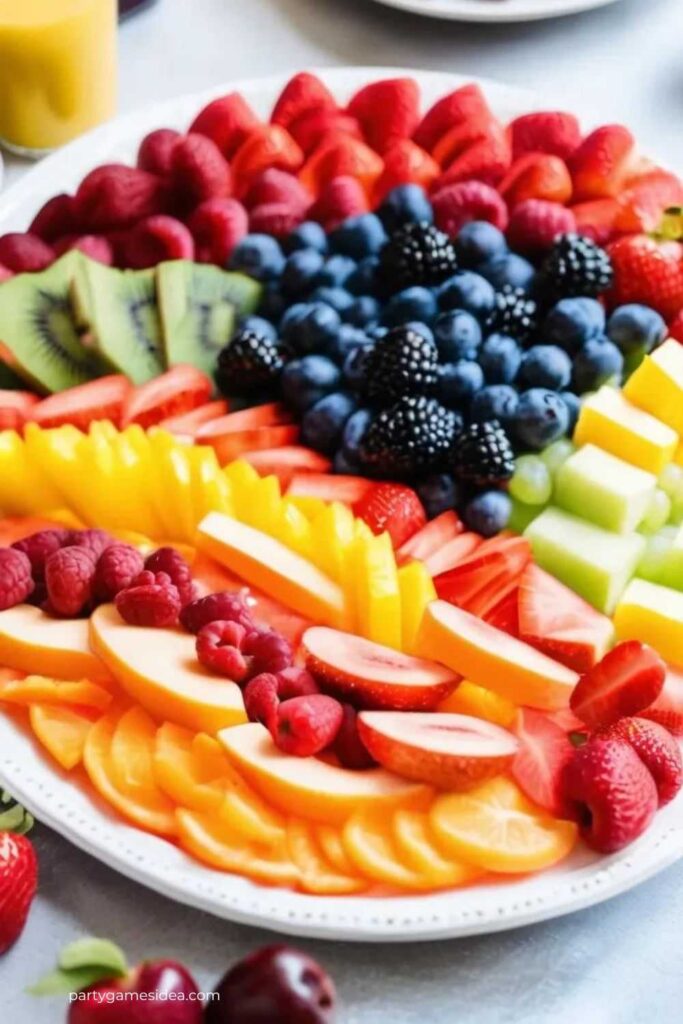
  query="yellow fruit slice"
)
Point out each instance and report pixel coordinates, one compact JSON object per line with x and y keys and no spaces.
{"x":496,"y":828}
{"x":135,"y":483}
{"x":174,"y":483}
{"x":31,"y":641}
{"x":369,"y":842}
{"x":311,"y":507}
{"x":265,"y":507}
{"x":34,"y":689}
{"x":317,"y":874}
{"x":211,"y":491}
{"x":25,"y":490}
{"x":242,"y":477}
{"x":333,"y":531}
{"x":294,"y":529}
{"x":417,"y":590}
{"x":57,"y":455}
{"x":470,"y":699}
{"x":417,"y":850}
{"x":377,"y":592}
{"x":62,"y":731}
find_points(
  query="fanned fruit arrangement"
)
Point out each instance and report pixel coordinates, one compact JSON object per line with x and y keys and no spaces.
{"x":342,"y":477}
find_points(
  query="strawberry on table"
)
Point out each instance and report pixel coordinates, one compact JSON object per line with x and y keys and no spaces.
{"x":388,"y":111}
{"x":394,"y":508}
{"x":626,"y":681}
{"x":18,"y":873}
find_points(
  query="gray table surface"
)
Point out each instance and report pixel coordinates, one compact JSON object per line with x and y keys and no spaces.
{"x":619,"y":963}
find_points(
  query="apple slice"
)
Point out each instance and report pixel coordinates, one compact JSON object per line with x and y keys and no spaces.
{"x":444,"y":750}
{"x":33,"y":642}
{"x":494,"y":659}
{"x":370,"y":675}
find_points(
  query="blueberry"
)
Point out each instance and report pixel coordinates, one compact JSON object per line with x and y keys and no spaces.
{"x":336,"y":271}
{"x":494,"y":402}
{"x":541,"y":418}
{"x":355,"y":365}
{"x":479,"y":241}
{"x":347,"y":339}
{"x":260,"y":325}
{"x":359,"y":236}
{"x":364,"y":309}
{"x":305,"y":381}
{"x":405,"y":204}
{"x":438,"y":493}
{"x":469,"y":291}
{"x":363,"y":280}
{"x":338,"y":298}
{"x":546,"y":366}
{"x":378,"y":331}
{"x":457,"y":335}
{"x":635,"y":327}
{"x":573,"y":322}
{"x":299,"y":274}
{"x":508,"y":269}
{"x":354,"y":432}
{"x":488,"y":513}
{"x":260,"y":256}
{"x":309,"y":235}
{"x":310,"y":326}
{"x":323,"y":424}
{"x":598,"y":361}
{"x":273,"y":303}
{"x":415,"y":303}
{"x":459,"y":382}
{"x":500,"y":359}
{"x":573,"y":403}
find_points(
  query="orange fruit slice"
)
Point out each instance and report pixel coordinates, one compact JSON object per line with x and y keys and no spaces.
{"x":62,"y":731}
{"x":369,"y":842}
{"x":318,"y":875}
{"x":417,"y":850}
{"x":220,"y":846}
{"x":330,"y":839}
{"x":470,"y":699}
{"x":33,"y":689}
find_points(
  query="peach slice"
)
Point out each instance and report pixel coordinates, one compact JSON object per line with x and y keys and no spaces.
{"x":269,"y":565}
{"x":161,"y":671}
{"x":494,"y":659}
{"x":416,"y":847}
{"x":443,"y":750}
{"x":317,"y":874}
{"x":62,"y":731}
{"x":32,"y":689}
{"x":320,"y":791}
{"x":496,"y":828}
{"x":373,"y":676}
{"x":369,"y":842}
{"x":32,"y":641}
{"x":216,"y":844}
{"x":151,"y":816}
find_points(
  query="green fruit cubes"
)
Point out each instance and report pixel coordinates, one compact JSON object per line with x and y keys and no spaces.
{"x":662,"y":560}
{"x":657,"y":385}
{"x":604,"y":489}
{"x":609,"y":420}
{"x":594,"y":562}
{"x":654,"y":615}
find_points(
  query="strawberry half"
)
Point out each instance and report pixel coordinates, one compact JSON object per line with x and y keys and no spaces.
{"x":543,"y":755}
{"x":18,"y":881}
{"x":394,"y":508}
{"x":626,"y":681}
{"x":388,"y":111}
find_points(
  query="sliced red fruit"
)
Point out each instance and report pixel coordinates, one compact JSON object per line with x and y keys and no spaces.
{"x":496,"y":565}
{"x":491,"y":594}
{"x":271,"y":414}
{"x":543,"y":754}
{"x":395,"y":508}
{"x":233,"y":444}
{"x":559,"y":622}
{"x":625,"y":682}
{"x":287,"y":461}
{"x":505,"y":614}
{"x":15,"y":408}
{"x":370,"y":675}
{"x":567,"y":720}
{"x":430,"y":538}
{"x":667,"y":709}
{"x":179,"y":390}
{"x":101,"y":399}
{"x":452,"y":553}
{"x":329,"y":487}
{"x":188,"y":423}
{"x":445,"y":750}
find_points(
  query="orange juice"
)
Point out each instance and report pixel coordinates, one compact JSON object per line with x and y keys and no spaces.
{"x":57,"y":70}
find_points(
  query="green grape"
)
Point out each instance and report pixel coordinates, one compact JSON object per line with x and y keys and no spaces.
{"x":658,"y":512}
{"x":531,"y":482}
{"x":654,"y":560}
{"x":671,"y":480}
{"x":557,"y":453}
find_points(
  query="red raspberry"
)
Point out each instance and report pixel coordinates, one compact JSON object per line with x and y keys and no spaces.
{"x":199,"y":171}
{"x":278,"y":219}
{"x":219,"y":648}
{"x":261,"y":699}
{"x":154,"y":154}
{"x":156,"y":239}
{"x":70,"y":577}
{"x":341,"y":197}
{"x":56,"y":218}
{"x":24,"y":253}
{"x":225,"y":606}
{"x":39,"y":546}
{"x":276,"y":186}
{"x":536,"y":223}
{"x":456,"y":205}
{"x":117,"y":567}
{"x":16,"y":581}
{"x":268,"y":651}
{"x":348,"y":746}
{"x":116,"y":196}
{"x":217,"y":226}
{"x":152,"y":600}
{"x":295,"y":682}
{"x":95,"y":540}
{"x":226,"y":121}
{"x":97,"y":247}
{"x":657,"y":749}
{"x":305,"y":726}
{"x":171,"y":562}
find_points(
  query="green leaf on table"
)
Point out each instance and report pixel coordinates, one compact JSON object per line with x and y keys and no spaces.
{"x":59,"y":983}
{"x":94,"y":952}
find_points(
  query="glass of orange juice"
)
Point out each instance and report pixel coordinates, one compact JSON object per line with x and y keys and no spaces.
{"x":57,"y":70}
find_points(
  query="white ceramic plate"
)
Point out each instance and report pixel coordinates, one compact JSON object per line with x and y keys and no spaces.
{"x":495,"y":11}
{"x":77,"y":814}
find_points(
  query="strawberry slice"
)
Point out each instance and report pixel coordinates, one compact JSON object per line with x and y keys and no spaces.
{"x":465,"y":104}
{"x":627,"y":681}
{"x":667,"y":710}
{"x":287,"y":461}
{"x":452,"y":553}
{"x":431,"y":537}
{"x":177,"y":391}
{"x":341,"y":156}
{"x":302,"y":93}
{"x":187,"y":424}
{"x":329,"y":487}
{"x":505,"y":614}
{"x":495,"y":566}
{"x":15,"y":408}
{"x":395,"y":508}
{"x":543,"y":755}
{"x":101,"y":399}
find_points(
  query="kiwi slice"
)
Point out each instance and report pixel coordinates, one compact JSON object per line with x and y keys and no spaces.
{"x":39,"y":340}
{"x":118,"y":309}
{"x":199,"y":305}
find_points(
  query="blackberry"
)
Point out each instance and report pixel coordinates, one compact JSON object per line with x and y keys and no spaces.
{"x":575,"y":266}
{"x":514,"y":314}
{"x":416,"y":254}
{"x":403,"y":362}
{"x":482,"y":455}
{"x":251,"y":362}
{"x":411,"y":438}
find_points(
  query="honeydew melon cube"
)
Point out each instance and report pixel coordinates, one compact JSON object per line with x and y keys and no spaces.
{"x":609,"y":420}
{"x":594,"y":562}
{"x":657,"y":384}
{"x":604,"y":489}
{"x":653,"y":614}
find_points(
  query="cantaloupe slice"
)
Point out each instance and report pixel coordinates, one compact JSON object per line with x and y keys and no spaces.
{"x":62,"y":731}
{"x":161,"y":671}
{"x":317,"y":874}
{"x":32,"y":641}
{"x":33,"y":689}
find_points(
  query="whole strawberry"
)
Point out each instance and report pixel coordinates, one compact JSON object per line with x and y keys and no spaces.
{"x":18,"y":881}
{"x":657,"y":749}
{"x":649,"y":272}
